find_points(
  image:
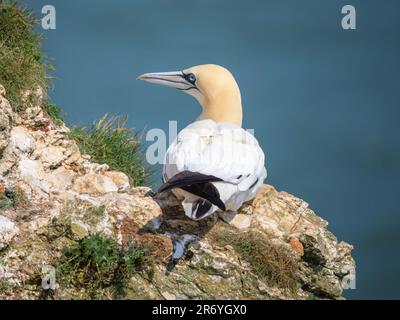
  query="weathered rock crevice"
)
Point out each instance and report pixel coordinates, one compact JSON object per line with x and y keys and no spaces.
{"x":51,"y":195}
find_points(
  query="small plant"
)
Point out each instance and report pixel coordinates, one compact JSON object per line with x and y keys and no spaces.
{"x":12,"y":198}
{"x":5,"y":287}
{"x":109,"y":141}
{"x":274,"y":265}
{"x":98,"y":262}
{"x":54,"y":112}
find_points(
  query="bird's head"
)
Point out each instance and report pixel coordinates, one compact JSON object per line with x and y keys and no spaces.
{"x":213,"y":86}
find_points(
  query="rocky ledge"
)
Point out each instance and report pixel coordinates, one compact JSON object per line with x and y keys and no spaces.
{"x":51,"y":195}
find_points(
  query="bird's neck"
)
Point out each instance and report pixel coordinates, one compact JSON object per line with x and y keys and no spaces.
{"x":224,"y":108}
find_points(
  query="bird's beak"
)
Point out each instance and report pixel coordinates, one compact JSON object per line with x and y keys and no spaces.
{"x":175,"y":79}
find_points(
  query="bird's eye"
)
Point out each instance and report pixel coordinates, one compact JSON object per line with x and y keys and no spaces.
{"x":191,"y":78}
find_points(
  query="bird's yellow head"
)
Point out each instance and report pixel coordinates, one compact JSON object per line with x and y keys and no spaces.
{"x":213,"y":86}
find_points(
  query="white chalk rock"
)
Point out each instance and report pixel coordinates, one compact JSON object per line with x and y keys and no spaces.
{"x":7,"y":231}
{"x":93,"y":183}
{"x":21,"y":139}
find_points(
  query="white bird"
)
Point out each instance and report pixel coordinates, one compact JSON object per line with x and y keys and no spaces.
{"x":213,"y":163}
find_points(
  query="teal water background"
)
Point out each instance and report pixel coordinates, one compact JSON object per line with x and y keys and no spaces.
{"x":324,"y":102}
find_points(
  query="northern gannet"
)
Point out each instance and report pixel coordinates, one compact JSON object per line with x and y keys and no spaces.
{"x":213,"y":163}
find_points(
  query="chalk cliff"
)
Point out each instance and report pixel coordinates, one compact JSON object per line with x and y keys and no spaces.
{"x":52,"y":197}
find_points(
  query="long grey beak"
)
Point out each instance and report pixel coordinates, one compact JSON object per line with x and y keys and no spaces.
{"x":175,"y":79}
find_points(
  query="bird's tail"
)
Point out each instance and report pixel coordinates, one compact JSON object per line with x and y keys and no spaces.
{"x":197,"y":184}
{"x":198,"y":209}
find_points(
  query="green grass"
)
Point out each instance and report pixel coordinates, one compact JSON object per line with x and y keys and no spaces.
{"x":54,"y":112}
{"x":97,"y":262}
{"x":23,"y":65}
{"x":109,"y":141}
{"x":274,"y":265}
{"x":21,"y":58}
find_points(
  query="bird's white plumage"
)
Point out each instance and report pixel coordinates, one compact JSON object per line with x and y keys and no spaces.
{"x":223,"y":150}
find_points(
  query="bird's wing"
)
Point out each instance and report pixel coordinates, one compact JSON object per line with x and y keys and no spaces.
{"x":222,"y":150}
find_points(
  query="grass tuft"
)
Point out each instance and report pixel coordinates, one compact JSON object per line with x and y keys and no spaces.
{"x":274,"y":265}
{"x":21,"y":58}
{"x":23,"y":64}
{"x":54,"y":112}
{"x":109,"y":141}
{"x":97,"y":262}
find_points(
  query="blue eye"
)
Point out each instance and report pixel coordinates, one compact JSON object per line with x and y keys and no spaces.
{"x":191,"y":78}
